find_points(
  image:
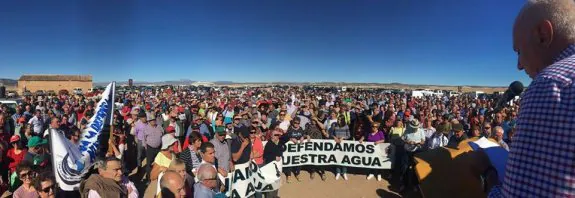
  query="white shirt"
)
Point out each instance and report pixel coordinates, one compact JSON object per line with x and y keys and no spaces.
{"x":37,"y":125}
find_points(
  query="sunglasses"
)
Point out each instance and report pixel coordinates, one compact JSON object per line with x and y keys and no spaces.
{"x":254,"y":122}
{"x":296,"y":123}
{"x":252,"y":132}
{"x":26,"y":175}
{"x":277,"y":135}
{"x":47,"y":189}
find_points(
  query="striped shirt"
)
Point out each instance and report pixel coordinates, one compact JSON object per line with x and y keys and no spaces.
{"x":541,"y":161}
{"x":341,"y":132}
{"x":190,"y":158}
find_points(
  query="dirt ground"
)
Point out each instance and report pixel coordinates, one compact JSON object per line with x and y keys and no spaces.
{"x":356,"y":187}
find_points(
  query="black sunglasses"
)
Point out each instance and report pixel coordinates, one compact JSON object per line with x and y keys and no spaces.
{"x":296,"y":123}
{"x":277,"y":135}
{"x":47,"y":189}
{"x":28,"y":174}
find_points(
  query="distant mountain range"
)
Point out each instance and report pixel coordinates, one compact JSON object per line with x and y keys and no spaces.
{"x":189,"y":82}
{"x":8,"y":82}
{"x":11,"y":82}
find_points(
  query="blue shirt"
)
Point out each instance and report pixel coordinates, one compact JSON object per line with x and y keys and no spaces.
{"x":201,"y":191}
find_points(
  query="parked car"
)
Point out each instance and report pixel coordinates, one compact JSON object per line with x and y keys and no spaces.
{"x":12,"y":94}
{"x":11,"y":105}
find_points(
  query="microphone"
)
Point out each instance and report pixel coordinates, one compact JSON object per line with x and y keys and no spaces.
{"x":515,"y":89}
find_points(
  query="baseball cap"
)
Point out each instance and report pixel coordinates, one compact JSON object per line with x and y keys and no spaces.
{"x":151,"y":117}
{"x":167,"y":141}
{"x":14,"y":138}
{"x":220,"y":130}
{"x":36,"y":141}
{"x":170,"y":129}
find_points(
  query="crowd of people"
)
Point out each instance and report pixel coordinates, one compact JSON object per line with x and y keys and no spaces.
{"x":178,"y":141}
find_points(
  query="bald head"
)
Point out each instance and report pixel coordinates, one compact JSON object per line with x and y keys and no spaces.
{"x":560,"y":13}
{"x":542,"y":29}
{"x":172,"y":184}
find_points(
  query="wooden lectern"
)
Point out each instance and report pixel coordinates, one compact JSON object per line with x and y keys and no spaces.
{"x":447,"y":172}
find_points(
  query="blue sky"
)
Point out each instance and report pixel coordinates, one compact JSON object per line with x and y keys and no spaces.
{"x":450,"y":42}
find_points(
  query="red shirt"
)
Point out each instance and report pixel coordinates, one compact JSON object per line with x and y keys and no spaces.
{"x":126,"y":110}
{"x":80,"y":114}
{"x":15,"y":159}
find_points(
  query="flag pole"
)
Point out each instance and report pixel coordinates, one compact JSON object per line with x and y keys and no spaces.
{"x":111,"y":139}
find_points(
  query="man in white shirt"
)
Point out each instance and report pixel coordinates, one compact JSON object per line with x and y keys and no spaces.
{"x":36,"y":122}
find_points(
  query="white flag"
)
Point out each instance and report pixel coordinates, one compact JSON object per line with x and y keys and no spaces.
{"x":71,"y":162}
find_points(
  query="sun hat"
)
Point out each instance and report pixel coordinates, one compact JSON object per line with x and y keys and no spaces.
{"x":412,"y":126}
{"x":167,"y":141}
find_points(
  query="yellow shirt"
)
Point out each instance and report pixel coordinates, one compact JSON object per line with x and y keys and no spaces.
{"x":163,"y":160}
{"x":396,"y":132}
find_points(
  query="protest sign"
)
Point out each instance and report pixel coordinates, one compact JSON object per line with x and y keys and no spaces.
{"x":345,"y":153}
{"x":248,"y":178}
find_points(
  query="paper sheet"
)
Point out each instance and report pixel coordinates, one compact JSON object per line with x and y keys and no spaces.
{"x":496,"y":154}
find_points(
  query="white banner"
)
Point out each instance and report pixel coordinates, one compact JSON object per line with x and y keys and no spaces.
{"x":328,"y":152}
{"x":71,"y":162}
{"x":248,"y":178}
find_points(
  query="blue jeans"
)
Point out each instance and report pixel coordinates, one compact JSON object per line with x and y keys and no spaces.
{"x":341,"y":170}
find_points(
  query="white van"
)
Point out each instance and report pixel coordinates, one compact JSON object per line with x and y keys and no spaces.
{"x":475,"y":94}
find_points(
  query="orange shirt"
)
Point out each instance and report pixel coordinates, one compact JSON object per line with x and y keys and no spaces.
{"x":258,"y":146}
